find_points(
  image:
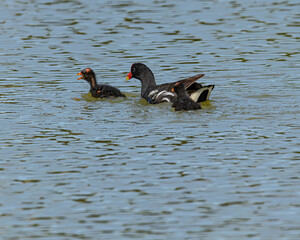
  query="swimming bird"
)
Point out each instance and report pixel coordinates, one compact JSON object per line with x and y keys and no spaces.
{"x":98,"y":90}
{"x":154,"y":93}
{"x":182,"y":100}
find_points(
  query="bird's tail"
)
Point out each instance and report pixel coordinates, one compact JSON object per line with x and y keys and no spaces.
{"x":202,"y":94}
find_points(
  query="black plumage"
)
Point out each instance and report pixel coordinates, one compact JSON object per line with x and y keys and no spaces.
{"x":182,"y":100}
{"x":154,"y":93}
{"x":99,"y":90}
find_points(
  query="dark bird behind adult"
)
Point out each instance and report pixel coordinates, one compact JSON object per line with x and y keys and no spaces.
{"x":182,"y":100}
{"x":154,"y":93}
{"x":98,"y":90}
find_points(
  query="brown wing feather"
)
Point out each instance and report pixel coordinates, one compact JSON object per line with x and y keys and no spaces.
{"x":190,"y":80}
{"x":186,"y":82}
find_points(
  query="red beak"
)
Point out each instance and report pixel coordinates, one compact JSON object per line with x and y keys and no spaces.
{"x":79,"y":74}
{"x":129,"y":76}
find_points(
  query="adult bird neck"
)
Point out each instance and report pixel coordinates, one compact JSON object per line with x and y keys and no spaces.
{"x":147,"y":80}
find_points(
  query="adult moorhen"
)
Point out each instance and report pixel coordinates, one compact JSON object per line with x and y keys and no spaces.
{"x":154,"y":93}
{"x":98,"y":90}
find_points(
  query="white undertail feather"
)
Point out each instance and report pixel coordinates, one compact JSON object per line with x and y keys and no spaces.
{"x":209,"y":92}
{"x":195,"y":95}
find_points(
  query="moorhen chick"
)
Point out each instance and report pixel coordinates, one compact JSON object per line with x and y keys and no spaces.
{"x":154,"y":93}
{"x":98,"y":90}
{"x":182,"y":100}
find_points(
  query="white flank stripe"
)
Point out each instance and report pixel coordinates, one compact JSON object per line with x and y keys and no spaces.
{"x":170,"y":94}
{"x":166,"y":99}
{"x":152,"y":93}
{"x":165,"y":93}
{"x":160,"y":93}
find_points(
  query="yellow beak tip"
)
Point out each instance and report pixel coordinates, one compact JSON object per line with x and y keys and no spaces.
{"x":127,"y":78}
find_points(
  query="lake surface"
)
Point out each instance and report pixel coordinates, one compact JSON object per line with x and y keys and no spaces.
{"x":74,"y":167}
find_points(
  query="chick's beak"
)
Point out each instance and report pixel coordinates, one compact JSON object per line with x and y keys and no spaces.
{"x":129,"y":76}
{"x":80,"y":75}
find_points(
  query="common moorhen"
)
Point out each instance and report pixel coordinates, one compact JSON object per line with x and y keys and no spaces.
{"x":182,"y":100}
{"x":154,"y":93}
{"x":98,"y":90}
